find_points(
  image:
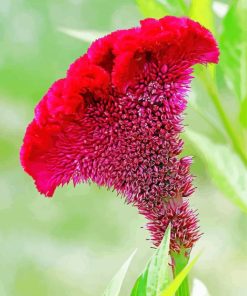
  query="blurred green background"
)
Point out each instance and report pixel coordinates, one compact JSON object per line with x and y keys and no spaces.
{"x":74,"y":243}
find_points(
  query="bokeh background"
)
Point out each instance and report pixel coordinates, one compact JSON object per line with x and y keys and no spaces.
{"x":74,"y":243}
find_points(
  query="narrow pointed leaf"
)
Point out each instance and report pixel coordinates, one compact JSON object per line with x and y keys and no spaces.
{"x":175,"y":284}
{"x":116,"y":283}
{"x":140,"y":287}
{"x":87,"y":36}
{"x":156,"y":275}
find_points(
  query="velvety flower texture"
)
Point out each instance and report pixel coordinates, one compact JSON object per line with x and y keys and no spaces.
{"x":116,"y":118}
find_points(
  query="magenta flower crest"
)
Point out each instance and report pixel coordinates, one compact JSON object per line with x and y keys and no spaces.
{"x":115,"y":119}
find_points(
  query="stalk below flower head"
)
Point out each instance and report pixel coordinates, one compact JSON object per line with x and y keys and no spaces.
{"x":116,"y":119}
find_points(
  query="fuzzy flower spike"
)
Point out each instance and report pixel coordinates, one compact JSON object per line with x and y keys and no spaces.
{"x":116,"y":120}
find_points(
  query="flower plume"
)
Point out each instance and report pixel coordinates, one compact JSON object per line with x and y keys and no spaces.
{"x":116,"y":117}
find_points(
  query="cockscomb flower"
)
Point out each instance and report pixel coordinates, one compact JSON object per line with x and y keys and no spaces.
{"x":115,"y":119}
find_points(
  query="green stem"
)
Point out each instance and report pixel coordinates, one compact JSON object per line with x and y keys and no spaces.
{"x":213,"y":92}
{"x":179,"y":262}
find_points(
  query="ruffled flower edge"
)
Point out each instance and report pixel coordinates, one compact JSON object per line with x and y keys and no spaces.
{"x":113,"y":62}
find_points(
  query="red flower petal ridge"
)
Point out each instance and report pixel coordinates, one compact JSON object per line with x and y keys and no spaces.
{"x":116,"y":119}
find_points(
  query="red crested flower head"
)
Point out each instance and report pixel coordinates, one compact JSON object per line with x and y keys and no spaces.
{"x":116,"y":117}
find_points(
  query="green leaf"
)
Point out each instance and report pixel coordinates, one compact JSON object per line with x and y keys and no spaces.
{"x":230,"y":47}
{"x":140,"y":286}
{"x":174,"y":7}
{"x":151,"y":8}
{"x":225,"y":168}
{"x":242,"y":11}
{"x":115,"y":285}
{"x":87,"y":36}
{"x":202,"y":12}
{"x":180,"y":260}
{"x":156,"y":275}
{"x":243,"y":113}
{"x":175,"y":284}
{"x":243,"y":70}
{"x":202,"y":105}
{"x":160,"y":8}
{"x":233,"y":45}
